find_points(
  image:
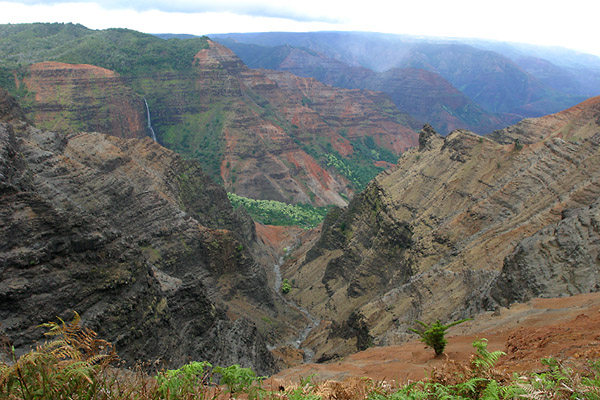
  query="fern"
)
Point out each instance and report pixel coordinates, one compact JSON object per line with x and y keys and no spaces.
{"x":483,"y":360}
{"x":64,"y":368}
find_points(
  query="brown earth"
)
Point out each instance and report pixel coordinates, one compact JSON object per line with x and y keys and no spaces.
{"x":565,"y":328}
{"x":279,"y":237}
{"x":576,"y":123}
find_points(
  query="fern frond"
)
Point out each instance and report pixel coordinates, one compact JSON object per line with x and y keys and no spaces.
{"x":483,"y":359}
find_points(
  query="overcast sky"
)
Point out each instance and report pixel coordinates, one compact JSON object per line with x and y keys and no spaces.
{"x":572,"y":24}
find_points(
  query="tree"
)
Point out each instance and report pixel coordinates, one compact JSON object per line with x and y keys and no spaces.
{"x":433,"y":335}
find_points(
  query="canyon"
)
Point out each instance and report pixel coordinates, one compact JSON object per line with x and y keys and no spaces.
{"x":449,"y":231}
{"x":116,"y":160}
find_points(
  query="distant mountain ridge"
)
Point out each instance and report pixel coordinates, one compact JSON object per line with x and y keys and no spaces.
{"x":427,"y":96}
{"x":507,"y":82}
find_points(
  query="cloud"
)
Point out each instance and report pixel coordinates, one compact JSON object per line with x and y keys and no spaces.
{"x":293,"y":10}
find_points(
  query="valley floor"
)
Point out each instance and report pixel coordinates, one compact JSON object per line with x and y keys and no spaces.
{"x":565,"y":328}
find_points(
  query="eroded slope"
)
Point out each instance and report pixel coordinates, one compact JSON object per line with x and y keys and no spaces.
{"x":137,"y":240}
{"x":429,"y":238}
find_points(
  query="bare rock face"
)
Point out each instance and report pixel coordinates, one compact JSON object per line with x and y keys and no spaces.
{"x":265,"y":135}
{"x":461,"y":223}
{"x":79,"y":97}
{"x":425,"y":95}
{"x":576,"y":123}
{"x":559,"y":260}
{"x":137,"y":240}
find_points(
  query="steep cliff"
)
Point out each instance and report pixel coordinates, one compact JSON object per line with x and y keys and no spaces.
{"x":77,"y":97}
{"x":487,"y":73}
{"x":576,"y":123}
{"x":272,"y":135}
{"x":449,"y":231}
{"x":137,"y":240}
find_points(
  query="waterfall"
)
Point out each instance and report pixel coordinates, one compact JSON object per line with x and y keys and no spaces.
{"x":150,"y":123}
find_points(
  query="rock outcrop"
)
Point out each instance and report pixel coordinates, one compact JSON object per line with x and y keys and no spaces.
{"x":136,"y":239}
{"x":451,"y":229}
{"x":275,"y":130}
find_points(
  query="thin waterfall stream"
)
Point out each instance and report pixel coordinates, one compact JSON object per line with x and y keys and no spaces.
{"x":149,"y":122}
{"x":313,"y":321}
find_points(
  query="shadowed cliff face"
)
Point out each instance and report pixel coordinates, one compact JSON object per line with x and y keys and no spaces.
{"x":78,"y":97}
{"x":429,"y":238}
{"x":137,"y":240}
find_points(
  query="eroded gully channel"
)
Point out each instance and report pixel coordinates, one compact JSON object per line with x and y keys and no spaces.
{"x":313,"y":321}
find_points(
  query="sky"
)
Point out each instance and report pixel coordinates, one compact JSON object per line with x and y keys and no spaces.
{"x":572,"y":24}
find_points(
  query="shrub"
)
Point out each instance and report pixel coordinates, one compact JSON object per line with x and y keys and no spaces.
{"x":181,"y":383}
{"x":433,"y":335}
{"x":285,"y":286}
{"x":240,"y":380}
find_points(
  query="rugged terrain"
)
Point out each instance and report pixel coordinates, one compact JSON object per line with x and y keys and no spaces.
{"x":136,"y":239}
{"x":287,"y":138}
{"x":78,"y":97}
{"x":564,"y":328}
{"x":262,"y":134}
{"x":425,"y":95}
{"x":499,"y":80}
{"x":452,"y":228}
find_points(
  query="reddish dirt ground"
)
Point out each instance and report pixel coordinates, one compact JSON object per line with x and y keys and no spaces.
{"x":566,"y":328}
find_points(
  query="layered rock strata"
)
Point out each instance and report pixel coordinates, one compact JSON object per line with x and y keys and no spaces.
{"x":71,"y":98}
{"x":137,"y":240}
{"x":462,"y":224}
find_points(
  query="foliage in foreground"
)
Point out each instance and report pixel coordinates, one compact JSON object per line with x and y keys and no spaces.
{"x":77,"y":365}
{"x":271,"y":212}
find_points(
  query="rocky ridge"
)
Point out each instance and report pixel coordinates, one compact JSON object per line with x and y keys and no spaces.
{"x":137,"y":240}
{"x":274,"y":129}
{"x":448,"y":231}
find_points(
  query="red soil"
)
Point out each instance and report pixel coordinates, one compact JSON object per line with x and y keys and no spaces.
{"x":565,"y":328}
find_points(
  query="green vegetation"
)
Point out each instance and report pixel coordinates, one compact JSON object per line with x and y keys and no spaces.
{"x":433,"y":335}
{"x":124,"y":51}
{"x":285,"y":286}
{"x":271,"y":212}
{"x":359,"y":168}
{"x":191,"y":123}
{"x":180,"y":383}
{"x":238,"y":380}
{"x":518,"y":145}
{"x":198,"y":136}
{"x":75,"y":364}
